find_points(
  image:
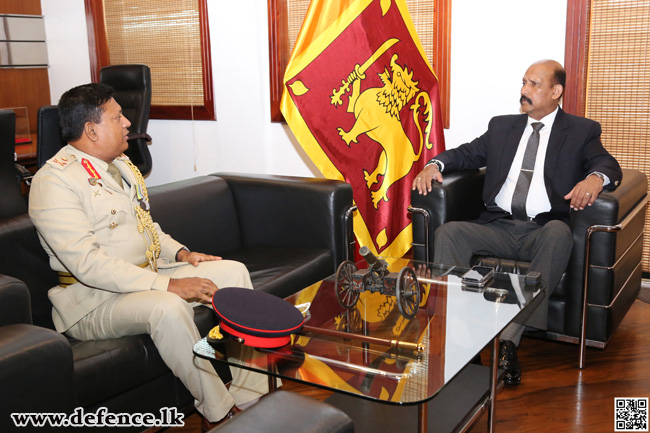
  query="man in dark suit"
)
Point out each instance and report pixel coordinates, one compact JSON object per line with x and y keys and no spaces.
{"x":539,"y":166}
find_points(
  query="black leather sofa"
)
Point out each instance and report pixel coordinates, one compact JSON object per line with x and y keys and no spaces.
{"x":290,"y":232}
{"x":612,"y":263}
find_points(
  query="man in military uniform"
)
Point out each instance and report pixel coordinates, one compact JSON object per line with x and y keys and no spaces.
{"x":120,"y":274}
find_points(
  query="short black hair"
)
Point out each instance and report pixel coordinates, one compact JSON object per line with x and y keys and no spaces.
{"x":82,"y":104}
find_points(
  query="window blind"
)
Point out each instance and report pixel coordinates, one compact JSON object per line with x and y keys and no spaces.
{"x":617,"y":85}
{"x":165,"y":35}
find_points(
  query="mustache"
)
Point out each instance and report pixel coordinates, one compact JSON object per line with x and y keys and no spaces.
{"x":525,"y":99}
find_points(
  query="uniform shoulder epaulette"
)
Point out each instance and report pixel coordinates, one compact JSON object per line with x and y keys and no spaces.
{"x":61,"y":160}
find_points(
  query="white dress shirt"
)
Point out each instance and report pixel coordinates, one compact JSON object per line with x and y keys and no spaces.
{"x":537,"y":200}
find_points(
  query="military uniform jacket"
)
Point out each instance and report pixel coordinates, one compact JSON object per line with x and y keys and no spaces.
{"x":88,"y":227}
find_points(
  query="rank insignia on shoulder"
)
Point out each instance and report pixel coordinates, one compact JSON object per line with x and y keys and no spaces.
{"x":61,"y":161}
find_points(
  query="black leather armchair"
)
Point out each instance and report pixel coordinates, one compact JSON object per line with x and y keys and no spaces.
{"x":132,"y":84}
{"x":48,"y":134}
{"x":12,"y":202}
{"x":606,"y":255}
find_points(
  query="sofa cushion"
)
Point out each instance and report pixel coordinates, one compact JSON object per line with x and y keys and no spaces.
{"x":104,"y":368}
{"x":284,"y":271}
{"x":199,"y":213}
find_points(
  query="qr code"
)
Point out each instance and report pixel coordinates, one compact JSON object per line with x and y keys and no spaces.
{"x":631,"y":414}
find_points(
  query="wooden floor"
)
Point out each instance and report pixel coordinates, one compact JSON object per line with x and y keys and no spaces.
{"x":556,"y":396}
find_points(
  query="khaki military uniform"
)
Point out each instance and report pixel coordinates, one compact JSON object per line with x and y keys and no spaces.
{"x":88,"y":226}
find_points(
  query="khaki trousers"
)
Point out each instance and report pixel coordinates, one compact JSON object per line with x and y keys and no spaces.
{"x":169,"y":320}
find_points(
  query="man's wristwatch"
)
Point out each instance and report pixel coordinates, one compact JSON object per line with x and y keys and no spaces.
{"x":437,"y":163}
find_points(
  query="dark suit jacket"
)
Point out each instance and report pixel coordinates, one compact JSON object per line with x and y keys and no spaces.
{"x":574,"y":151}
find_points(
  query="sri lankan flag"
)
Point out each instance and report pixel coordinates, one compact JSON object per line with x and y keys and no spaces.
{"x":363,"y":102}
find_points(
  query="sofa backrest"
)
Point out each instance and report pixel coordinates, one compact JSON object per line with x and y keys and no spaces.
{"x":22,"y":257}
{"x":199,"y":212}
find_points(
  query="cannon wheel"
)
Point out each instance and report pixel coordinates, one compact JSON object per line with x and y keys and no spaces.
{"x":407,"y":292}
{"x":345,"y":293}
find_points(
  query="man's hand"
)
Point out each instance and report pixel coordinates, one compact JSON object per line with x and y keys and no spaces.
{"x":585,"y":192}
{"x":424,"y":179}
{"x":194,"y":258}
{"x":422,"y":271}
{"x":193,"y":289}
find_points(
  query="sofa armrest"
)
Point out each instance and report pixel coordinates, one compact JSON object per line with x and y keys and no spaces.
{"x":458,"y":198}
{"x":36,"y":372}
{"x":14,"y":302}
{"x":610,"y":209}
{"x":291,"y":211}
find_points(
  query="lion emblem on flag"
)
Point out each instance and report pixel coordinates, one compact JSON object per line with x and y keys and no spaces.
{"x":377,"y":114}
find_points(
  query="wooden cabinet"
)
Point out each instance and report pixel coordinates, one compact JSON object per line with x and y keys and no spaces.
{"x":24,"y":87}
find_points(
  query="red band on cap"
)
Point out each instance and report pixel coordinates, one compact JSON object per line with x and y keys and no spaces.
{"x":251,"y":340}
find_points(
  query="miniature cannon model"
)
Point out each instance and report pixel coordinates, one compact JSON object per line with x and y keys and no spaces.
{"x":350,"y":282}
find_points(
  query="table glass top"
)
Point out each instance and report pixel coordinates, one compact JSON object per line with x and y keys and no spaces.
{"x":437,"y":335}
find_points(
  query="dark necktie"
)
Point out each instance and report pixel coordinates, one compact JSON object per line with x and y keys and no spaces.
{"x":526,"y":175}
{"x":115,"y":174}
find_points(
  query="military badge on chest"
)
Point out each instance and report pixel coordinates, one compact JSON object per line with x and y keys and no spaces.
{"x":142,"y":198}
{"x":95,"y":177}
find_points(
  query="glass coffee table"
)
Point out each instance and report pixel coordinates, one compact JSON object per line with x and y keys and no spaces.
{"x":373,"y":339}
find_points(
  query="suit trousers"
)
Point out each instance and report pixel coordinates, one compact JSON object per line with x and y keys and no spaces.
{"x":547,"y":248}
{"x":169,"y":320}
